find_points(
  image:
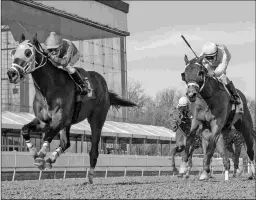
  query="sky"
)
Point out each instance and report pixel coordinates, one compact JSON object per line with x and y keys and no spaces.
{"x":155,"y":50}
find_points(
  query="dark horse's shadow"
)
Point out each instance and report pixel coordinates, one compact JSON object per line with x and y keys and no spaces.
{"x":55,"y":102}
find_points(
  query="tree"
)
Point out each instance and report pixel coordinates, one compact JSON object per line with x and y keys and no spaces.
{"x":251,"y":106}
{"x":166,"y":100}
{"x":137,"y":95}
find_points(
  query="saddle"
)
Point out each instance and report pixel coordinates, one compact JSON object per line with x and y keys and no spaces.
{"x":236,"y":110}
{"x":84,"y":74}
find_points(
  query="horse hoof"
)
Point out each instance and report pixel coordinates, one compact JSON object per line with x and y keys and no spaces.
{"x":203,"y":176}
{"x":238,"y":172}
{"x":180,"y":175}
{"x":183,"y":168}
{"x":90,"y":177}
{"x":39,"y":162}
{"x":48,"y":165}
{"x":187,"y":176}
{"x":42,"y":167}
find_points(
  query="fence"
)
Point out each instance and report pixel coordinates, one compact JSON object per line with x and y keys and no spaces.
{"x":21,"y":161}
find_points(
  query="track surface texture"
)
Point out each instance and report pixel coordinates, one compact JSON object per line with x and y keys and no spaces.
{"x":163,"y":187}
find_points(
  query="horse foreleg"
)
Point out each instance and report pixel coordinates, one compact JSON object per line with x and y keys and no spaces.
{"x":39,"y":161}
{"x":172,"y":155}
{"x":34,"y":125}
{"x":221,"y":147}
{"x":64,"y":145}
{"x":208,"y":144}
{"x":189,"y":165}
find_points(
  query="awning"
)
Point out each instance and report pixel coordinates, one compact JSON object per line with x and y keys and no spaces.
{"x":13,"y":120}
{"x":30,"y":17}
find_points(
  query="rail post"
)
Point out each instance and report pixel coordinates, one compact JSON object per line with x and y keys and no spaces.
{"x":125,"y":169}
{"x":87,"y":171}
{"x":142,"y":171}
{"x":13,"y":175}
{"x":40,"y":175}
{"x":159,"y":171}
{"x":65,"y":171}
{"x":106,"y":173}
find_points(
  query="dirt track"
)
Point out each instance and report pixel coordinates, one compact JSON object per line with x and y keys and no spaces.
{"x":164,"y":187}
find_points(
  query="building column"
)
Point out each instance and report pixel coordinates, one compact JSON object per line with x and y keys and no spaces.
{"x":170,"y":145}
{"x":82,"y":143}
{"x":144,"y":146}
{"x":130,"y":146}
{"x":115,"y":145}
{"x":157,"y":147}
{"x":123,"y":75}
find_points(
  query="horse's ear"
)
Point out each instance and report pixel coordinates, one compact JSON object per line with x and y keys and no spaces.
{"x":183,"y":76}
{"x":186,"y":59}
{"x":35,"y":38}
{"x":22,"y":38}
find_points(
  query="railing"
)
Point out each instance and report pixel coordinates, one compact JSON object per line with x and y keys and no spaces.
{"x":22,"y":161}
{"x":107,"y":167}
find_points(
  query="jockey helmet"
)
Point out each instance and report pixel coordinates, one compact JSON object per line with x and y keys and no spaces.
{"x":53,"y":41}
{"x":210,"y":51}
{"x":183,"y":101}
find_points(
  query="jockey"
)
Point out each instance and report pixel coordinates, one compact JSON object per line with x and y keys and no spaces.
{"x":216,"y":59}
{"x":63,"y":52}
{"x":183,"y":107}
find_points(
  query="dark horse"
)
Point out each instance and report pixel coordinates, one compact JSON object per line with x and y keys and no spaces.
{"x":181,"y":125}
{"x":55,"y":102}
{"x":218,"y":116}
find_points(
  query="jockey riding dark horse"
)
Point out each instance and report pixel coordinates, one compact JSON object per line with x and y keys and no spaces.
{"x":57,"y":103}
{"x":181,"y":124}
{"x":223,"y":113}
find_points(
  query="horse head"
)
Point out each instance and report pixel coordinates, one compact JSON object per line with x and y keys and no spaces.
{"x":194,"y":76}
{"x":27,"y":57}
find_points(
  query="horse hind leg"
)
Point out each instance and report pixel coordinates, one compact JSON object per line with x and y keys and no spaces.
{"x":64,"y":145}
{"x":96,"y":121}
{"x":247,"y":132}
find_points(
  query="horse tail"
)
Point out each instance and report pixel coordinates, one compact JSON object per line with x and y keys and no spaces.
{"x":117,"y":101}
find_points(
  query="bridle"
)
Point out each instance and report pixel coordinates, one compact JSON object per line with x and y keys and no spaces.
{"x":27,"y":68}
{"x":196,"y":84}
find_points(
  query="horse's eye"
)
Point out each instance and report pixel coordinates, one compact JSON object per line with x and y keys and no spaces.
{"x":28,"y":53}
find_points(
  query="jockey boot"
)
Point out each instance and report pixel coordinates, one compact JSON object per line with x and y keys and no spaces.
{"x":233,"y":92}
{"x":80,"y":82}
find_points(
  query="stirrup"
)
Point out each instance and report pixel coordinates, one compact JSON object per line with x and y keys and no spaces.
{"x":82,"y":90}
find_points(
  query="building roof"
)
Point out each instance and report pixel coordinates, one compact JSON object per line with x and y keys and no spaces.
{"x":13,"y":120}
{"x":77,"y":18}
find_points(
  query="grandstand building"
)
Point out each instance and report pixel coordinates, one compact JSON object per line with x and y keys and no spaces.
{"x":99,"y":30}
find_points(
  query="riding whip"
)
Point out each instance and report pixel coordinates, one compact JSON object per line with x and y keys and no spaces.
{"x":189,"y":45}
